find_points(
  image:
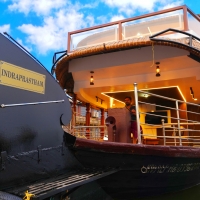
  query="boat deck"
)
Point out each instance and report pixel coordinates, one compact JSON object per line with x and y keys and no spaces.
{"x":60,"y":184}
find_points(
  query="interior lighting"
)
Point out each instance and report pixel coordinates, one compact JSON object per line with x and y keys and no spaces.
{"x":157,"y":69}
{"x":146,"y":95}
{"x":111,"y":102}
{"x":99,"y":99}
{"x":181,"y":93}
{"x":192,"y":93}
{"x":139,"y":35}
{"x":91,"y":78}
{"x":119,"y":91}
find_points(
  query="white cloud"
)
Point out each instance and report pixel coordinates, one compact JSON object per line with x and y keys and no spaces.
{"x":52,"y":35}
{"x":90,"y":20}
{"x":131,"y":6}
{"x":21,"y":43}
{"x":172,"y":4}
{"x":40,"y":7}
{"x":5,"y":28}
{"x":58,"y":17}
{"x":117,"y":18}
{"x":90,"y":5}
{"x":102,"y":19}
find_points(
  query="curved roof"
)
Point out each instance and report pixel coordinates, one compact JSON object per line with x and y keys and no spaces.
{"x":62,"y":66}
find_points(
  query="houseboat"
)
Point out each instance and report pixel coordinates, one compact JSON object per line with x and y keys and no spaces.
{"x":48,"y":150}
{"x":154,"y":59}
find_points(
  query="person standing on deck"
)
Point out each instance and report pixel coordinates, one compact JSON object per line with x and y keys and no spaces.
{"x":131,"y":108}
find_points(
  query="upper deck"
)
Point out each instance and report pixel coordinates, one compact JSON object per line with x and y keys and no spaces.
{"x":127,"y":51}
{"x":179,"y":18}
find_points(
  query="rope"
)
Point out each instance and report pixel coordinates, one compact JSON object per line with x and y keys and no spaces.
{"x":152,"y":55}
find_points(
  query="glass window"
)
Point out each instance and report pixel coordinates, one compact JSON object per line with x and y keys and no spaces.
{"x":193,"y":24}
{"x":151,"y":25}
{"x":94,"y":37}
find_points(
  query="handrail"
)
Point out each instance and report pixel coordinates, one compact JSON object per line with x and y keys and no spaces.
{"x":174,"y":41}
{"x":88,"y":132}
{"x":168,"y":107}
{"x":32,"y":103}
{"x":76,"y":127}
{"x":129,"y":19}
{"x":55,"y":60}
{"x":176,"y":129}
{"x":163,"y":97}
{"x":172,"y":29}
{"x":119,"y":23}
{"x":168,"y":98}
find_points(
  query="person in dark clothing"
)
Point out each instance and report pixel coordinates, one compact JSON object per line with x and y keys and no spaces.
{"x":131,"y":108}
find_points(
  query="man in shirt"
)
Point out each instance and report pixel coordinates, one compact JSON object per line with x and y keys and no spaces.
{"x":131,"y":108}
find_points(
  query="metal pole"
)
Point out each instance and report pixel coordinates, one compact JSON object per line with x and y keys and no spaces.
{"x":32,"y":103}
{"x":137,"y":113}
{"x":163,"y":128}
{"x":174,"y":133}
{"x":178,"y":119}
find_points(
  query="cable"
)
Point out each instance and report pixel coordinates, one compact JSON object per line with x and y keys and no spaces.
{"x":152,"y":54}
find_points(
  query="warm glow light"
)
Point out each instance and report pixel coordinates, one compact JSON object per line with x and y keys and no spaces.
{"x":181,"y":93}
{"x":91,"y":79}
{"x":192,"y":93}
{"x":111,"y":97}
{"x":111,"y":102}
{"x":103,"y":93}
{"x":157,"y":71}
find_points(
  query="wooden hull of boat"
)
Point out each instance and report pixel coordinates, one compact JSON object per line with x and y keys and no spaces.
{"x":143,"y":170}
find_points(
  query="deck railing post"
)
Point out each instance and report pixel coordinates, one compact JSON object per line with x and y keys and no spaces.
{"x":163,"y":128}
{"x":178,"y":120}
{"x":174,"y":134}
{"x":137,"y":112}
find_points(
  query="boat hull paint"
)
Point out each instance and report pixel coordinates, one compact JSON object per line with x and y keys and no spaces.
{"x":24,"y":168}
{"x":33,"y":108}
{"x":144,"y":170}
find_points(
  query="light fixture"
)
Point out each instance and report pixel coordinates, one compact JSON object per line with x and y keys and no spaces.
{"x":91,"y":78}
{"x":99,"y":99}
{"x":192,"y":93}
{"x":145,"y":95}
{"x":157,"y":69}
{"x":139,"y":35}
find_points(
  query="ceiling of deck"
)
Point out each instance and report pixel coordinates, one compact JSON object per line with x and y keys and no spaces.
{"x":117,"y":71}
{"x":171,"y":92}
{"x":167,"y":92}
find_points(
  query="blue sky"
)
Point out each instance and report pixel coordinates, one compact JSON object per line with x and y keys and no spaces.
{"x":41,"y":26}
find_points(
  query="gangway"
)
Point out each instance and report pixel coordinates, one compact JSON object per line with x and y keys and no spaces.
{"x":60,"y":184}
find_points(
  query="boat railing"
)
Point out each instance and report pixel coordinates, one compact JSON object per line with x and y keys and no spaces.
{"x":78,"y":128}
{"x":173,"y":121}
{"x":88,"y":132}
{"x":180,"y":18}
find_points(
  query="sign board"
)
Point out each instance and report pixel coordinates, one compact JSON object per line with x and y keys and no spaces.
{"x":18,"y":77}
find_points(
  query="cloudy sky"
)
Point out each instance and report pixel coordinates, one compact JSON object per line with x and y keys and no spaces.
{"x":41,"y":26}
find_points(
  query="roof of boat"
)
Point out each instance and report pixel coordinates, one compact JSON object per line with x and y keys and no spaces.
{"x":111,"y":52}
